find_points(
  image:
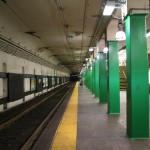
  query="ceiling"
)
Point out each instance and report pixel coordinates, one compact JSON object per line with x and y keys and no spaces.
{"x":61,"y":31}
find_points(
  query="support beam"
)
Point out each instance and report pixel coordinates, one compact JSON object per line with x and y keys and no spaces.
{"x":113,"y":78}
{"x":137,"y":77}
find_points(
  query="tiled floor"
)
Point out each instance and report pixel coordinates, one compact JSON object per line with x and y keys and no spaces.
{"x":99,"y":131}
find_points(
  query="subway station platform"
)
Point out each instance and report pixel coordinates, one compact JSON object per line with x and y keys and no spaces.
{"x":85,"y":125}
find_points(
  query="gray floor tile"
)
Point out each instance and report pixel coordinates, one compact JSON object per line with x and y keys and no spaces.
{"x":99,"y":131}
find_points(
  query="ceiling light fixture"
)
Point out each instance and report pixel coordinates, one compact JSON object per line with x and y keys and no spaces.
{"x":86,"y":59}
{"x":91,"y":49}
{"x":120,"y":35}
{"x":105,"y":50}
{"x":110,"y":5}
{"x":109,"y":8}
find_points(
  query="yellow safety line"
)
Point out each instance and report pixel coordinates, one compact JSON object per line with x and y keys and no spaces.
{"x":65,"y":137}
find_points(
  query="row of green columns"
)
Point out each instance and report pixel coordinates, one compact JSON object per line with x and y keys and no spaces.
{"x":137,"y":78}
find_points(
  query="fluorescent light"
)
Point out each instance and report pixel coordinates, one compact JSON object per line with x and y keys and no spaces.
{"x":105,"y":50}
{"x":148,"y":34}
{"x":109,"y":8}
{"x":91,"y":49}
{"x":120,"y":36}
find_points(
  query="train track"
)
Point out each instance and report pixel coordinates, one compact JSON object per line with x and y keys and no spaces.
{"x":22,"y":129}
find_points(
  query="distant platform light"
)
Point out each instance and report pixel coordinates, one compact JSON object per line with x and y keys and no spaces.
{"x":105,"y":50}
{"x":91,"y":49}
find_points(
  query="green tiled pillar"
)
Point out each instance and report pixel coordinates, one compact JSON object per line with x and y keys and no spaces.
{"x":85,"y":78}
{"x":113,"y":78}
{"x":90,"y":76}
{"x":83,"y":75}
{"x":97,"y":78}
{"x":103,"y":79}
{"x":137,"y":77}
{"x":93,"y":77}
{"x":94,"y":86}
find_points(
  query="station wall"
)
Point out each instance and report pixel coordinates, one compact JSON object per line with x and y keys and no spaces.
{"x":13,"y":64}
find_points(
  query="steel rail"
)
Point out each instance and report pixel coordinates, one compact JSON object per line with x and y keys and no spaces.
{"x":30,"y":142}
{"x":12,"y":120}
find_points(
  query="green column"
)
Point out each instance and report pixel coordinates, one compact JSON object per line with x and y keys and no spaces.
{"x":88,"y":77}
{"x":97,"y":78}
{"x":85,"y":81}
{"x":90,"y":72}
{"x":113,"y":78}
{"x":94,"y":89}
{"x":103,"y":79}
{"x":93,"y":77}
{"x":83,"y":75}
{"x":137,"y":77}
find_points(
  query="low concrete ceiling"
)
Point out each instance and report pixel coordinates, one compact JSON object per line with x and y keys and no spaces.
{"x":59,"y":30}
